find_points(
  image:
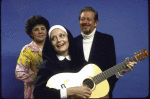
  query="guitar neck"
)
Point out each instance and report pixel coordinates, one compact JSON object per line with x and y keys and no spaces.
{"x":113,"y":70}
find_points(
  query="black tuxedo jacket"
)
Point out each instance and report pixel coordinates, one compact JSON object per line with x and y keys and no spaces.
{"x":102,"y":54}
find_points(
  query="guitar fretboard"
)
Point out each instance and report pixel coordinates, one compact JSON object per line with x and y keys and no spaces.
{"x":111,"y":71}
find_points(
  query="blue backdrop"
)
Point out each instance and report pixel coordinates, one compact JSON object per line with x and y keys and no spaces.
{"x":125,"y":20}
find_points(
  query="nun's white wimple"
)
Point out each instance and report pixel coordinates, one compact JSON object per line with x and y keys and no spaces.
{"x":57,"y":26}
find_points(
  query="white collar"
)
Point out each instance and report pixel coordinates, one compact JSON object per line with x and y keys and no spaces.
{"x":88,"y":36}
{"x":63,"y":57}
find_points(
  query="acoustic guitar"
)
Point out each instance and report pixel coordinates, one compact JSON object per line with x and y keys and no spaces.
{"x":92,"y":76}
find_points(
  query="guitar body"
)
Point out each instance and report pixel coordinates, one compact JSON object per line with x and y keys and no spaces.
{"x":68,"y":80}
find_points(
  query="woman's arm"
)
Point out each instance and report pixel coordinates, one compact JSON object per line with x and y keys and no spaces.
{"x":23,"y":71}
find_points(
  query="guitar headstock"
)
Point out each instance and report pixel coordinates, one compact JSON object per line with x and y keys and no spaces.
{"x":141,"y":55}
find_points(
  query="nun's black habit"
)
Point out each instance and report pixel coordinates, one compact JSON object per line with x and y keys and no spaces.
{"x":52,"y":66}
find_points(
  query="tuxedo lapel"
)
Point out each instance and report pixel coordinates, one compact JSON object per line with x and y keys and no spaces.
{"x":81,"y":43}
{"x":95,"y":48}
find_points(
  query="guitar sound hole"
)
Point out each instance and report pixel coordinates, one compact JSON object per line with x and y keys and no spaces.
{"x":88,"y":82}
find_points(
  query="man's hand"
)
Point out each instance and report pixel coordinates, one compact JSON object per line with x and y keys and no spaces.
{"x":129,"y":68}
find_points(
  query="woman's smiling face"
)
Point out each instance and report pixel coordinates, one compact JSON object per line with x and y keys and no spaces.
{"x":39,"y":33}
{"x":59,"y":40}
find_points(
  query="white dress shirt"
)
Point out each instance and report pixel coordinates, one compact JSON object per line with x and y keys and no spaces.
{"x":87,"y":44}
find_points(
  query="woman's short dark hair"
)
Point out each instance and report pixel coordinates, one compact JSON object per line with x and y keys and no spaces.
{"x":35,"y":20}
{"x":89,"y":9}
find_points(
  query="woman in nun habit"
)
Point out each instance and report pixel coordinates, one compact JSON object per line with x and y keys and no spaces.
{"x":59,"y":55}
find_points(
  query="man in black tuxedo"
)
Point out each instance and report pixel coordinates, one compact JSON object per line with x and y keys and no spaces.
{"x":96,"y":47}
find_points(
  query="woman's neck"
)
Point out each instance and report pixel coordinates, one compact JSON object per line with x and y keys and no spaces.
{"x":40,"y":44}
{"x":63,"y":54}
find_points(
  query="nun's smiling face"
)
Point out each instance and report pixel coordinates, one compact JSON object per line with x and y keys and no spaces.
{"x":59,"y":40}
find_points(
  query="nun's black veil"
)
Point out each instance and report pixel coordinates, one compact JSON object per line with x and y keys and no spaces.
{"x":49,"y":53}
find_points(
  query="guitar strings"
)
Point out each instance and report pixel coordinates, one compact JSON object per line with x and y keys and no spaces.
{"x":111,"y":71}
